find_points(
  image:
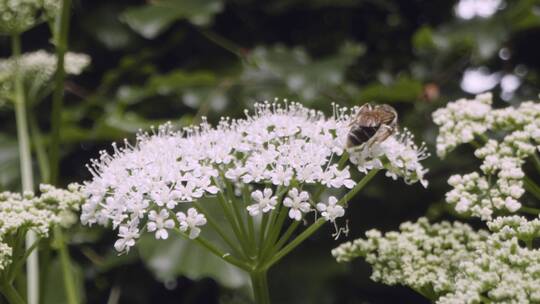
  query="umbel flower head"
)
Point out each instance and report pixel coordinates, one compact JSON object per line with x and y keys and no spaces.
{"x":17,"y":16}
{"x":273,"y":155}
{"x":20,"y":213}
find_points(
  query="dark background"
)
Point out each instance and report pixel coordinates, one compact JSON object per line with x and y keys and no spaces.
{"x":214,"y":58}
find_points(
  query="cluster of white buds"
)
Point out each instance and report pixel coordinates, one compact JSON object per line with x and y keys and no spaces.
{"x":21,"y":213}
{"x":499,"y":186}
{"x":17,"y":16}
{"x":461,"y":120}
{"x":279,"y":146}
{"x":452,"y":263}
{"x":36,"y":69}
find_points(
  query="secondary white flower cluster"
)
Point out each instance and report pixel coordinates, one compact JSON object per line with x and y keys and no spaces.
{"x":452,"y":263}
{"x":37,"y":213}
{"x":17,"y":16}
{"x":499,"y":186}
{"x":279,"y":145}
{"x":460,"y":121}
{"x":37,"y":69}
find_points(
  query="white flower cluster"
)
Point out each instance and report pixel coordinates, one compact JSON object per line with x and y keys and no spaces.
{"x":500,"y":185}
{"x":398,"y":154}
{"x":37,"y":213}
{"x":279,"y":145}
{"x":460,"y":121}
{"x":452,"y":263}
{"x":17,"y":16}
{"x":37,"y":68}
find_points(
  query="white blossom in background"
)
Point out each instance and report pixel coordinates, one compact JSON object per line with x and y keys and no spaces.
{"x":271,"y":148}
{"x":17,"y":16}
{"x":452,"y":263}
{"x":20,"y":213}
{"x":499,"y":184}
{"x":298,"y":203}
{"x":37,"y":69}
{"x":468,"y":9}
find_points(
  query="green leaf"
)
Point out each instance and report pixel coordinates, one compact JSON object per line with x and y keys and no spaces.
{"x":402,"y":90}
{"x":280,"y":71}
{"x":174,"y":257}
{"x":423,"y":38}
{"x":152,"y":19}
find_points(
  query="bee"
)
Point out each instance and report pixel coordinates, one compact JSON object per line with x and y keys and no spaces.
{"x":372,"y":124}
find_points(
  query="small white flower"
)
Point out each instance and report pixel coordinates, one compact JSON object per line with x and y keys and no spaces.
{"x":298,"y":203}
{"x":331,"y":211}
{"x":128,"y":234}
{"x":191,"y":221}
{"x":265,"y":202}
{"x":160,"y":222}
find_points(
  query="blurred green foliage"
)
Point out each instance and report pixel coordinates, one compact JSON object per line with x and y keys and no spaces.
{"x":180,"y":60}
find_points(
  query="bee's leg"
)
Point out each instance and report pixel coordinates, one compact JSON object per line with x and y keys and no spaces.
{"x":382,"y":134}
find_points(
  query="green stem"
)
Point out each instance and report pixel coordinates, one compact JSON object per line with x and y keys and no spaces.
{"x":227,"y":257}
{"x":529,"y":210}
{"x":213,"y":223}
{"x":26,"y":168}
{"x":222,"y":42}
{"x":536,"y":162}
{"x":250,"y":224}
{"x":67,"y":268}
{"x":41,"y":153}
{"x":11,"y":294}
{"x":315,"y":226}
{"x":532,"y":187}
{"x":273,"y":234}
{"x":61,"y":37}
{"x":284,"y":238}
{"x":232,"y":221}
{"x":259,"y":284}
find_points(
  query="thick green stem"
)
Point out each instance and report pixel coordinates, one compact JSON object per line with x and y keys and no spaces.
{"x":11,"y":294}
{"x":26,"y":168}
{"x":61,"y":37}
{"x":259,"y":285}
{"x":61,"y":33}
{"x":67,"y":268}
